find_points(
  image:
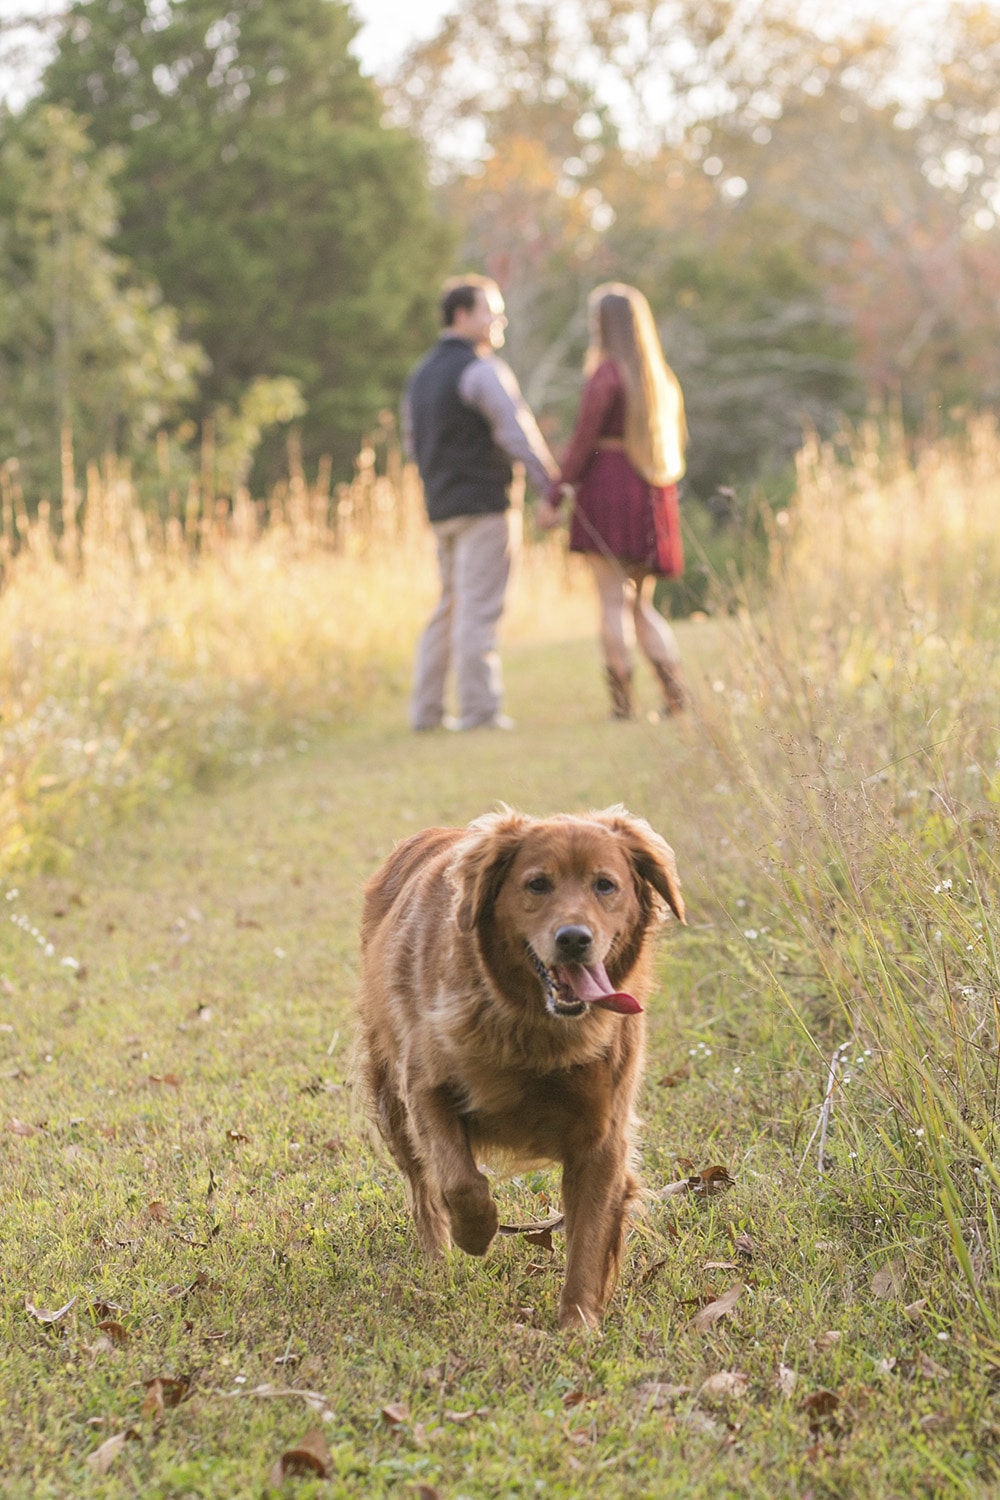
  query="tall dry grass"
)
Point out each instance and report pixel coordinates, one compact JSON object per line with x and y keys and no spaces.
{"x":857,"y":725}
{"x":143,"y":650}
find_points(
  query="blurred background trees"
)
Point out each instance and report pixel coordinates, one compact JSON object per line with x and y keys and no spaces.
{"x":811,"y":212}
{"x":809,"y":201}
{"x":86,"y":346}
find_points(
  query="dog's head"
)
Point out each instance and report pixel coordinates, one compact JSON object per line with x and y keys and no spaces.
{"x":570,"y":898}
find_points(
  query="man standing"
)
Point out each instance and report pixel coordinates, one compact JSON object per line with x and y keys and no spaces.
{"x":465,"y":422}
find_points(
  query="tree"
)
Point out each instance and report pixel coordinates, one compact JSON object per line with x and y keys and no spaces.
{"x":807,"y":242}
{"x":553,"y":202}
{"x":290,"y":227}
{"x":85,"y":345}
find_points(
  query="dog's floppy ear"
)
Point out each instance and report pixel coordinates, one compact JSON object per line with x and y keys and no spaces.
{"x":652,"y":857}
{"x":481,"y":862}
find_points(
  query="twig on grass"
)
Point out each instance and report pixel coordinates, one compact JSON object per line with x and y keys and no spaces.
{"x":825,"y":1112}
{"x":535,"y":1226}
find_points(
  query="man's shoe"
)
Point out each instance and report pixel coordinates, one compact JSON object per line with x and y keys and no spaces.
{"x":499,"y":721}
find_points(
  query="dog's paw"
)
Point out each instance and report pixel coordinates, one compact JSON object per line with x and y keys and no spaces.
{"x":574,"y":1318}
{"x":474,"y":1218}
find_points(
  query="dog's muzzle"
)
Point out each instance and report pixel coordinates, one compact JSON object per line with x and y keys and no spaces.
{"x":570,"y":988}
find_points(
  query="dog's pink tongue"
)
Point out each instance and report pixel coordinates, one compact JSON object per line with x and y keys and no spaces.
{"x":590,"y":982}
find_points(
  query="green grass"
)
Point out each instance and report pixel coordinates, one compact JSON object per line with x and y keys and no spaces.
{"x":204,"y":755}
{"x":216,"y":938}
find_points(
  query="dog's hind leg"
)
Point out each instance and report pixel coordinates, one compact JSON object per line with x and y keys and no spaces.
{"x":428,"y":1210}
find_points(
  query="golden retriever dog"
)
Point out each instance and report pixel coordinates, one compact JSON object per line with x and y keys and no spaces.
{"x":504,"y":967}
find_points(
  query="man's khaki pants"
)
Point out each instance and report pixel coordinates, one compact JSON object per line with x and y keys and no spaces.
{"x":475,"y":558}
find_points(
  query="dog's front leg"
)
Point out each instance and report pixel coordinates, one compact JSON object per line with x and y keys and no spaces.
{"x":597,"y":1189}
{"x":444,"y":1145}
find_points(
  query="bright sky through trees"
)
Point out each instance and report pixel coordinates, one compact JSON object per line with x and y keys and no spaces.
{"x":387,"y":28}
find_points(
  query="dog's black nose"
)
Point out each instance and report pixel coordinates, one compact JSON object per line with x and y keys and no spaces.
{"x":573,"y":943}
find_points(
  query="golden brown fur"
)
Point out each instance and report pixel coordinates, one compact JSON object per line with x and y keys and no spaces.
{"x":463,"y":1057}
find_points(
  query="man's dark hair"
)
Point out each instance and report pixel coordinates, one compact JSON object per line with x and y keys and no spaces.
{"x":461,"y":291}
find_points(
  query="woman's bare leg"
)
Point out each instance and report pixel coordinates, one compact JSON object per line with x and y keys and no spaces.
{"x":613,"y":587}
{"x":657,"y":642}
{"x":614,"y":595}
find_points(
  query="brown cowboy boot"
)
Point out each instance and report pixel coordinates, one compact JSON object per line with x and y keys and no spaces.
{"x":675,"y":699}
{"x":620,"y":684}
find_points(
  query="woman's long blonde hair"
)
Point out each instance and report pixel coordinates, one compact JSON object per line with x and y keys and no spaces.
{"x":622,"y":329}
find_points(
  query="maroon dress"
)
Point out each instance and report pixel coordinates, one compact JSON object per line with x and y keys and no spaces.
{"x":617,"y":511}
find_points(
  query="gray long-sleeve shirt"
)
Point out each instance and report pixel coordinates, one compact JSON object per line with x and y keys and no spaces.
{"x":489,"y":386}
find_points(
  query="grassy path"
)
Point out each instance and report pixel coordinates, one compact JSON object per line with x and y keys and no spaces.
{"x":180,"y":1155}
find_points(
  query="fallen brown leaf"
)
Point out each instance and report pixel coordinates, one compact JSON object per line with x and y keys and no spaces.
{"x":711,"y":1181}
{"x":116,"y":1332}
{"x":889,"y":1281}
{"x":168,"y":1390}
{"x":18,"y":1127}
{"x":171,"y":1079}
{"x":311,"y":1455}
{"x":573,"y":1398}
{"x":744,"y":1246}
{"x":236,"y":1135}
{"x":926,"y":1366}
{"x":102,"y":1310}
{"x":395,"y":1414}
{"x":542,"y":1237}
{"x":915,"y":1310}
{"x":706,"y":1317}
{"x":153,"y":1404}
{"x":201,"y":1283}
{"x":656,"y":1394}
{"x":786,"y":1379}
{"x":727,"y":1385}
{"x":672,"y":1189}
{"x":819,"y":1406}
{"x":671,"y":1080}
{"x":103,"y":1457}
{"x":158,"y":1211}
{"x":702,"y":1423}
{"x":44,"y":1316}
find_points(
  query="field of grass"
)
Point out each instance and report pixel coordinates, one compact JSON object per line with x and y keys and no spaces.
{"x":208,"y":1278}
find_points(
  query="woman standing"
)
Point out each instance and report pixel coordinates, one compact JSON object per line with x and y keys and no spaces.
{"x":624,"y":460}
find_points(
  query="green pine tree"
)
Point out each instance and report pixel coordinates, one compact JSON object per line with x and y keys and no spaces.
{"x":292,"y":229}
{"x":85,"y":345}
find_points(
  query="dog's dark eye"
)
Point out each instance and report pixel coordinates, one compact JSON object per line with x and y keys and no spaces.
{"x":604,"y":885}
{"x":539,"y":885}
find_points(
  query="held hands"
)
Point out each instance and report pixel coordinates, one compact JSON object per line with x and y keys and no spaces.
{"x":547,"y":514}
